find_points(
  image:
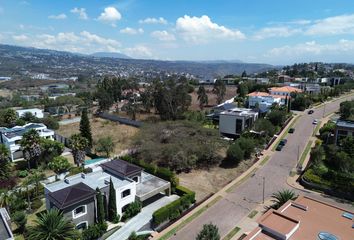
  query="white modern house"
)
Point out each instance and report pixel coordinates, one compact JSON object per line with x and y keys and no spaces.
{"x":38,"y":113}
{"x":75,"y":196}
{"x":234,"y":121}
{"x":11,"y":137}
{"x":264,"y":101}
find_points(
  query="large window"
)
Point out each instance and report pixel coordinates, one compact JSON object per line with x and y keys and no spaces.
{"x":238,"y":126}
{"x":79,"y":211}
{"x":125,"y":193}
{"x":81,"y":226}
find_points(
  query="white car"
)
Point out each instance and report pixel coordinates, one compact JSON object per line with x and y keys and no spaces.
{"x":315,"y":121}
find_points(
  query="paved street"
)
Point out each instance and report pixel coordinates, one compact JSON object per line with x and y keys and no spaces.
{"x":236,"y":204}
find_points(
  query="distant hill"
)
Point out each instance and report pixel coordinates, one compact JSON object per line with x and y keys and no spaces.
{"x":110,"y":55}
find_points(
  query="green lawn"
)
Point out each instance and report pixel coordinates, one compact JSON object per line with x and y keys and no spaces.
{"x":305,"y":153}
{"x":231,"y":234}
{"x":252,"y":214}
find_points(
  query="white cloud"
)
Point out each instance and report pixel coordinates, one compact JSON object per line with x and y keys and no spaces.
{"x":343,"y":24}
{"x":132,"y":31}
{"x":270,"y":32}
{"x":163,"y":35}
{"x":301,"y":22}
{"x":110,"y":15}
{"x":58,"y":17}
{"x":202,"y":29}
{"x":81,"y":12}
{"x":138,"y":51}
{"x":20,"y":38}
{"x":152,"y":20}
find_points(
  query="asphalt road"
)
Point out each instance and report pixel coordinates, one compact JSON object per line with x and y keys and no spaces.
{"x":235,"y":205}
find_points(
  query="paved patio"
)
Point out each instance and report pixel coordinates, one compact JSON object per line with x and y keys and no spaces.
{"x":142,"y":219}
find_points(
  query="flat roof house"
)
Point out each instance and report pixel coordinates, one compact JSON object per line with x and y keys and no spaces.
{"x":302,"y":219}
{"x":11,"y":137}
{"x":38,"y":113}
{"x":344,"y":128}
{"x":264,"y":100}
{"x":76,"y":195}
{"x":5,"y":225}
{"x":234,"y":121}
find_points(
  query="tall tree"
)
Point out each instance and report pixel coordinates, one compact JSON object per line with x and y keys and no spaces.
{"x":105,"y":145}
{"x":35,"y":177}
{"x":219,"y":90}
{"x":52,"y":225}
{"x":209,"y":232}
{"x":78,"y":144}
{"x":85,"y":128}
{"x":59,"y":164}
{"x":281,"y":197}
{"x":5,"y":168}
{"x":100,"y":207}
{"x":244,"y":74}
{"x":112,"y":202}
{"x":31,"y":147}
{"x":5,"y":199}
{"x":242,"y":90}
{"x":202,"y":97}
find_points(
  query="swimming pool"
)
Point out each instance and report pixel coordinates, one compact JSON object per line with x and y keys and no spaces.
{"x":95,"y":160}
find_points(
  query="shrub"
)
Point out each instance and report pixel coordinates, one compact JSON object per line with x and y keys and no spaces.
{"x":59,"y":164}
{"x":22,"y":174}
{"x":75,"y":170}
{"x":132,"y":210}
{"x":235,"y":154}
{"x":20,"y":219}
{"x":94,"y":232}
{"x":36,"y":204}
{"x":116,"y":219}
{"x":9,"y":183}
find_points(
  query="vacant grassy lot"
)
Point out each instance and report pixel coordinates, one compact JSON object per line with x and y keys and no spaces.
{"x":205,"y":182}
{"x":121,"y":134}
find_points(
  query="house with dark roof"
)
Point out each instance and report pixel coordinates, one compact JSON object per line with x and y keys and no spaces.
{"x":75,"y":196}
{"x":5,"y":225}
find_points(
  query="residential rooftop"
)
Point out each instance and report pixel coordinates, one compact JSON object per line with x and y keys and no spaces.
{"x":345,"y":123}
{"x":20,"y":130}
{"x":5,"y":228}
{"x":286,"y":89}
{"x":305,"y":218}
{"x":121,"y":168}
{"x":239,"y":112}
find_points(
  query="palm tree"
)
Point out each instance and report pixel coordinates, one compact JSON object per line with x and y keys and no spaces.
{"x":282,"y":197}
{"x":52,"y":225}
{"x":5,"y":199}
{"x":36,"y":177}
{"x":78,"y":145}
{"x":4,"y":162}
{"x":31,"y":147}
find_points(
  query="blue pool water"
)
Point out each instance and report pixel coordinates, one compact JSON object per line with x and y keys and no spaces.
{"x":92,"y":161}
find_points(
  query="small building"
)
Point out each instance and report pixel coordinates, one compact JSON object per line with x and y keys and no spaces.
{"x":344,"y":128}
{"x":304,"y":218}
{"x":75,"y":196}
{"x":11,"y":137}
{"x":5,"y":225}
{"x":264,"y":101}
{"x":234,"y":121}
{"x":284,"y":91}
{"x":215,"y":112}
{"x":38,"y":113}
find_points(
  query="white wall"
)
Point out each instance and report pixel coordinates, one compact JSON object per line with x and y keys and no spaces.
{"x":129,"y":199}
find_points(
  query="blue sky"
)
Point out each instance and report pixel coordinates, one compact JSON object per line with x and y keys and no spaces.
{"x":276,"y":32}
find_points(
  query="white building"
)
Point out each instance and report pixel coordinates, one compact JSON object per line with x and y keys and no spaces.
{"x":38,"y":113}
{"x":264,"y":100}
{"x":284,"y":91}
{"x":11,"y":137}
{"x":233,"y":122}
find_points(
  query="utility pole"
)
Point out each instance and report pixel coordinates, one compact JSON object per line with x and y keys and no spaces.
{"x":263,"y":188}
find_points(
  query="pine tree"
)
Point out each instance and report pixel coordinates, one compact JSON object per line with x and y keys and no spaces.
{"x":100,"y":207}
{"x":85,"y":128}
{"x":112,"y":205}
{"x":209,"y":232}
{"x":202,"y":97}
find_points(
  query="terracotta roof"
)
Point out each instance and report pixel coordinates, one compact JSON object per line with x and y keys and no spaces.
{"x":285,"y":89}
{"x":121,"y":168}
{"x":258,"y":94}
{"x":71,"y":195}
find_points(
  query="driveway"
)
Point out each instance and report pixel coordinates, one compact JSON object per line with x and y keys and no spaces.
{"x":142,"y":219}
{"x":235,"y":205}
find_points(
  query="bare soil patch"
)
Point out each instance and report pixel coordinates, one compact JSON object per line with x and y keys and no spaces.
{"x":120,"y":134}
{"x":205,"y":182}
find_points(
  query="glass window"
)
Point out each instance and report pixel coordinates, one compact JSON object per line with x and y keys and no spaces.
{"x":79,"y":211}
{"x":82,"y":225}
{"x":238,"y":125}
{"x":125,"y":193}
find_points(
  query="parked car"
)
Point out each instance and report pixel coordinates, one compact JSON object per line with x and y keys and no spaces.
{"x":283,"y":142}
{"x":310,"y":111}
{"x":291,"y":130}
{"x":315,"y":121}
{"x":279,"y":147}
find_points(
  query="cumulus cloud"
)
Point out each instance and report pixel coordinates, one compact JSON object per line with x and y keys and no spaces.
{"x":138,"y":51}
{"x":81,"y":12}
{"x":20,"y":38}
{"x":110,"y":15}
{"x":58,"y":17}
{"x":271,"y":32}
{"x":202,"y":29}
{"x":132,"y":31}
{"x":163,"y":35}
{"x":152,"y":20}
{"x":343,"y":24}
{"x":83,"y":42}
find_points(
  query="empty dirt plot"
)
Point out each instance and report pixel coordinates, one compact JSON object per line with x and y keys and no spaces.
{"x":205,"y":182}
{"x":120,"y":134}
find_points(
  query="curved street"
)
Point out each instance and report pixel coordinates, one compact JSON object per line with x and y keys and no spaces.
{"x":238,"y":202}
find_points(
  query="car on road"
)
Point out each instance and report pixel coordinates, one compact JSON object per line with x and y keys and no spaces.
{"x":310,"y":111}
{"x":291,"y":130}
{"x":283,"y":142}
{"x":279,"y":147}
{"x":315,"y":121}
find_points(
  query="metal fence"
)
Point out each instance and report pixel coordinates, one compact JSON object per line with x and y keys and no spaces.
{"x":121,"y":120}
